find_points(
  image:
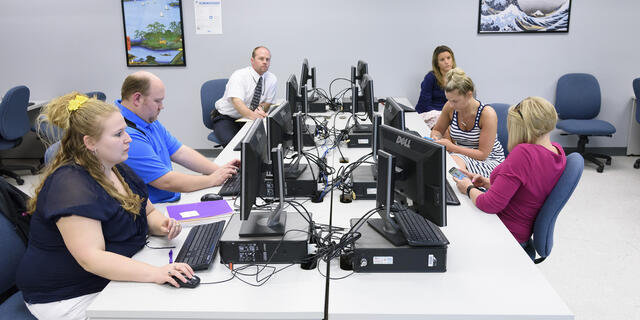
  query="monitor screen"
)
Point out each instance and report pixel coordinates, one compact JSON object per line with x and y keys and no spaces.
{"x":307,"y":74}
{"x":361,"y":69}
{"x":393,"y":114}
{"x":280,"y":127}
{"x":297,"y":101}
{"x":419,"y":173}
{"x":254,"y":157}
{"x":367,"y":95}
{"x":285,"y":129}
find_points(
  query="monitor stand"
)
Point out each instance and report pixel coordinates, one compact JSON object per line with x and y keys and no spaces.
{"x":363,"y":128}
{"x":294,"y":170}
{"x":257,"y":225}
{"x":394,"y":236}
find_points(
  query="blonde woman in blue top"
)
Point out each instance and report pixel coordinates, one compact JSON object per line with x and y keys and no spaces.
{"x":473,"y":127}
{"x":90,"y":215}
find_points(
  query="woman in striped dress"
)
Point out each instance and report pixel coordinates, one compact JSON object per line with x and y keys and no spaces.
{"x":474,"y":144}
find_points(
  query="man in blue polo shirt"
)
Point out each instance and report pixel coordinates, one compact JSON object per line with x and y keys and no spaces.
{"x":153,"y":148}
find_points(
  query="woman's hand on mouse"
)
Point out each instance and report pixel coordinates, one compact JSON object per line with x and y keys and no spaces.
{"x":165,"y":274}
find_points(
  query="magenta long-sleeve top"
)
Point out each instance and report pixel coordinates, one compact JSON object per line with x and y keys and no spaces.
{"x":521,"y":184}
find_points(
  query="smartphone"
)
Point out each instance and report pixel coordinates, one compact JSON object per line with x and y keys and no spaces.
{"x":457,"y":173}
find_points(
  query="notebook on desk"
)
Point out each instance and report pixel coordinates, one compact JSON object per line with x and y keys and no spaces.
{"x":199,"y":212}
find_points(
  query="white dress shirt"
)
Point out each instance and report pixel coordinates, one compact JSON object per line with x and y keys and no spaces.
{"x":242,"y":84}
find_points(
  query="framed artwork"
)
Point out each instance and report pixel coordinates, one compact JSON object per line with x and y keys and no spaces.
{"x":153,"y":33}
{"x":523,"y":16}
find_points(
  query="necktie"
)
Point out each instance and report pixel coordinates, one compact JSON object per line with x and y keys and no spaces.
{"x":256,"y":95}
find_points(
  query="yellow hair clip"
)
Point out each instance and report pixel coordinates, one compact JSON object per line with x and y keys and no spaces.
{"x":77,"y":102}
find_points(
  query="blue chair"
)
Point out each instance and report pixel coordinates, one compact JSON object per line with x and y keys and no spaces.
{"x":14,"y":124}
{"x":12,"y":248}
{"x":51,"y":132}
{"x":502,"y":110}
{"x":578,"y":103}
{"x":210,"y":92}
{"x":51,"y":152}
{"x":542,"y":240}
{"x":636,"y":91}
{"x":97,"y":94}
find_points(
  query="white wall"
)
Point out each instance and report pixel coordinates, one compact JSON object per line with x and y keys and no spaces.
{"x":58,"y":46}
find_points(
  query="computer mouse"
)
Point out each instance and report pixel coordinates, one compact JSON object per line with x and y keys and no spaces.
{"x":211,"y":197}
{"x":191,"y":283}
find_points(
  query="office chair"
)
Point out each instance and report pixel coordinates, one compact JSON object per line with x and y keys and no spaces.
{"x":51,"y":152}
{"x":502,"y":110}
{"x":12,"y":248}
{"x":98,"y":94}
{"x":542,"y":240}
{"x":51,"y":132}
{"x":210,"y":92}
{"x":636,"y":91}
{"x":578,"y":103}
{"x":14,"y":124}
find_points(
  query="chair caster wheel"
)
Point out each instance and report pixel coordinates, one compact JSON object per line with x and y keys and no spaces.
{"x":19,"y":181}
{"x":636,"y":165}
{"x":608,"y":162}
{"x":600,"y":169}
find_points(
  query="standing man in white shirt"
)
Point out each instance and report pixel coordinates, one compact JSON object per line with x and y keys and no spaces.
{"x":249,"y":93}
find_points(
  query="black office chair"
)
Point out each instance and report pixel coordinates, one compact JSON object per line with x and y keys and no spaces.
{"x":578,"y":104}
{"x":210,"y":92}
{"x":14,"y":124}
{"x":636,"y":91}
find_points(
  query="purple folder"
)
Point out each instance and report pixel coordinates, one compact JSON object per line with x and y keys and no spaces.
{"x":199,"y":210}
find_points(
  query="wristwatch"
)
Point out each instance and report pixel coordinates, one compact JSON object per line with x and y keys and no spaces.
{"x":469,"y":189}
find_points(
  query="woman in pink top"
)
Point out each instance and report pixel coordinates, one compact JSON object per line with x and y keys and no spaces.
{"x":519,"y":186}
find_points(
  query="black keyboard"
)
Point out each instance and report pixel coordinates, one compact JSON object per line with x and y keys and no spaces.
{"x":231,"y":187}
{"x":419,"y":231}
{"x":450,"y":195}
{"x":201,"y":245}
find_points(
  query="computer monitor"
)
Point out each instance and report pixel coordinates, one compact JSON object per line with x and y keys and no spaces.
{"x":307,"y":74}
{"x":254,"y":164}
{"x":365,"y":99}
{"x":358,"y":71}
{"x":297,"y":101}
{"x":417,"y":178}
{"x":281,"y":130}
{"x":394,"y":114}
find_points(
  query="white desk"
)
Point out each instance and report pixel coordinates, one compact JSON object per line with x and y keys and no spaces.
{"x":488,"y":276}
{"x":291,"y":294}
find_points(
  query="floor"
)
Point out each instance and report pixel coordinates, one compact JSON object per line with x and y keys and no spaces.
{"x":595,"y":262}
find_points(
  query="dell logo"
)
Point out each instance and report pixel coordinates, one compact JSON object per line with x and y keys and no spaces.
{"x":403,"y":142}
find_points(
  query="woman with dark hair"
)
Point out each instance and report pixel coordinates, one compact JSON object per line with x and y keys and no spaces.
{"x":432,"y":97}
{"x":90,"y":215}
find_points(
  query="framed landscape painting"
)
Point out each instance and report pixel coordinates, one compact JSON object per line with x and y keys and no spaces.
{"x":153,"y":33}
{"x":531,"y":16}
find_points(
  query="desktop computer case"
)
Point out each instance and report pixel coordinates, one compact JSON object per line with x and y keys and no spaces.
{"x":373,"y":253}
{"x":247,"y":250}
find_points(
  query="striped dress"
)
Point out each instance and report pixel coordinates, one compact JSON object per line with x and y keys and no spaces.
{"x":471,"y":139}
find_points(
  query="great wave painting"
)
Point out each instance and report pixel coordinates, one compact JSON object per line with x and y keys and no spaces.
{"x":153,"y":33}
{"x":507,"y":16}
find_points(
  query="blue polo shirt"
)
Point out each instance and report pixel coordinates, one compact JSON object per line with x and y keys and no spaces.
{"x":150,"y":153}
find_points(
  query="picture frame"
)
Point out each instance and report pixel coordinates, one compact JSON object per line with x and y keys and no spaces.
{"x":523,"y":16}
{"x":153,"y":33}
